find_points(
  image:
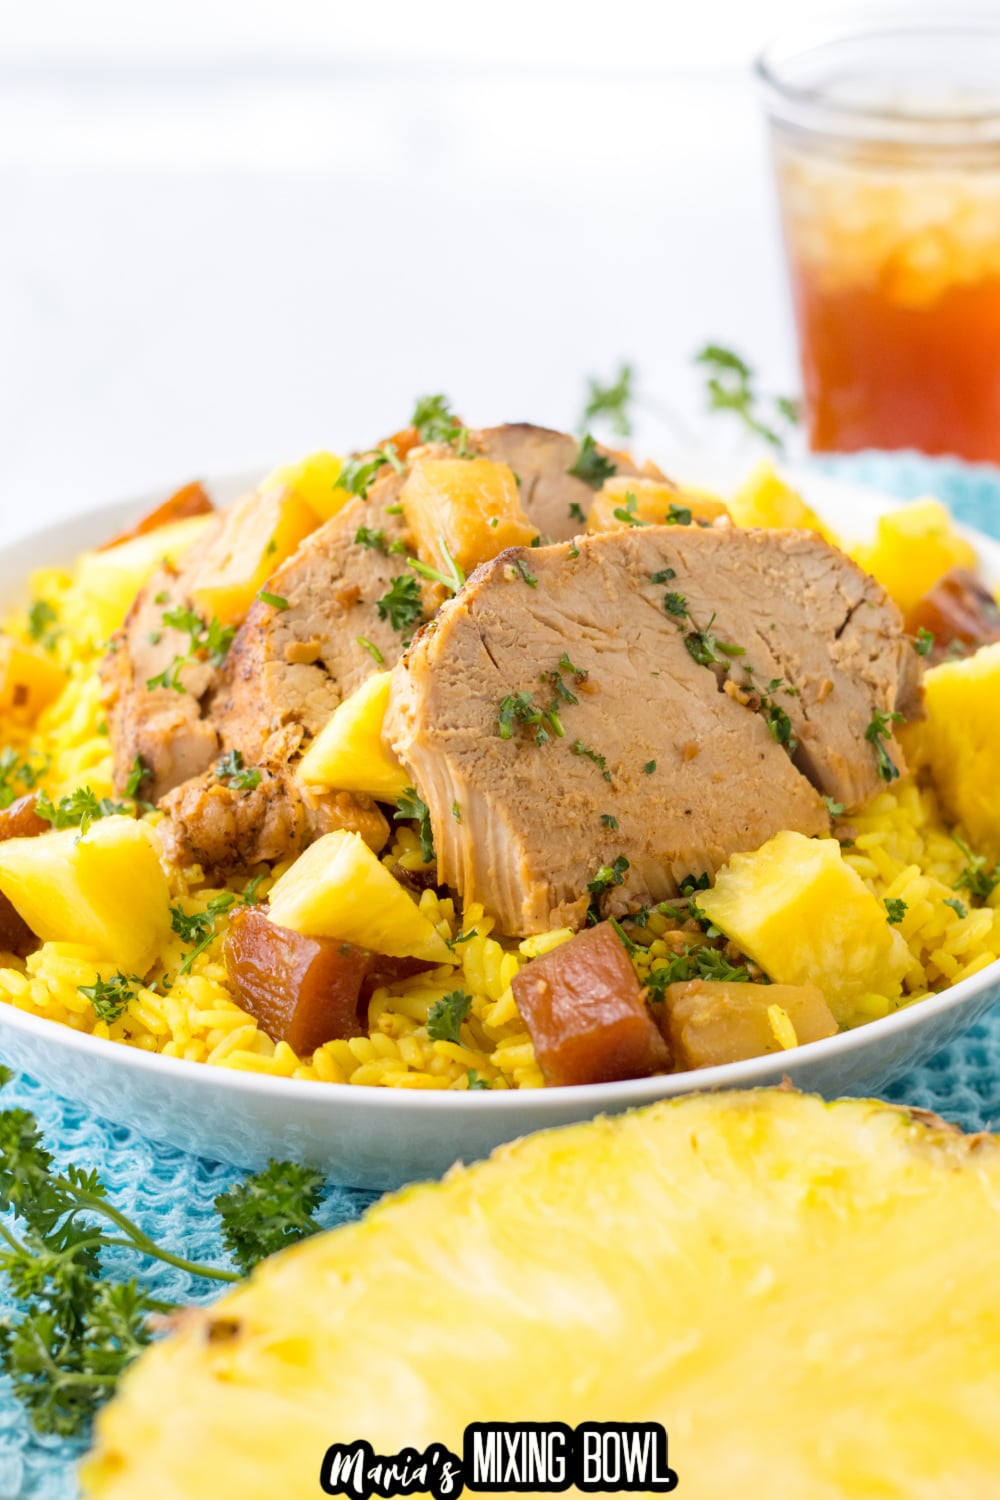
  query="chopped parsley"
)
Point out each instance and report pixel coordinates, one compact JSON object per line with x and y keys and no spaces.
{"x":666,"y":575}
{"x":627,"y":513}
{"x":608,"y":820}
{"x":612,"y":402}
{"x":359,"y":473}
{"x":475,"y":1081}
{"x":402,"y":606}
{"x":675,"y":604}
{"x":879,"y":730}
{"x":13,"y":770}
{"x":371,"y":648}
{"x":576,"y":512}
{"x":678,"y":515}
{"x":230,"y":768}
{"x":111,"y":997}
{"x":79,"y":810}
{"x":525,"y":572}
{"x":275,"y":600}
{"x":444,"y":1020}
{"x":136,"y":776}
{"x":579,"y":748}
{"x":924,"y":643}
{"x":703,"y":647}
{"x":434,"y":420}
{"x":411,"y":805}
{"x":366,"y":537}
{"x":979,"y":881}
{"x":608,"y":876}
{"x":41,"y":617}
{"x":895,"y":910}
{"x":958,"y":907}
{"x":456,"y":812}
{"x":699,"y":963}
{"x":833,"y":808}
{"x":207,"y":641}
{"x":453,"y":579}
{"x":199,"y":927}
{"x":649,"y":767}
{"x":590,"y":465}
{"x":780,"y":726}
{"x":519,"y":708}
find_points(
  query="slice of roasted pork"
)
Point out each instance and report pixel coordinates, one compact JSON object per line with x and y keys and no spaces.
{"x":600,"y":721}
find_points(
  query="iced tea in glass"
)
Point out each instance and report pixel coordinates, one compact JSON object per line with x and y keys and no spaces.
{"x":886,"y":139}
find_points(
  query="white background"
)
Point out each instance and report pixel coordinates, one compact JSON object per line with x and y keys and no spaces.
{"x":232,"y":232}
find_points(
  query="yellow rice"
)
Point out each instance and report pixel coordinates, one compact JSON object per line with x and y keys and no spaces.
{"x":902,"y":848}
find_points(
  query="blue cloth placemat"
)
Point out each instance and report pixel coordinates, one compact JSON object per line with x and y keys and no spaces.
{"x":171,"y":1194}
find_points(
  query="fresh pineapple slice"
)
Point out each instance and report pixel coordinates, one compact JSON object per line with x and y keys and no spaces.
{"x":348,"y":753}
{"x":29,"y":680}
{"x":765,"y":500}
{"x":471,"y":505}
{"x":626,"y":501}
{"x":802,"y":913}
{"x":314,"y":479}
{"x":915,"y":546}
{"x":105,"y":888}
{"x":799,"y":1292}
{"x":260,"y":531}
{"x":107,"y":582}
{"x":960,"y":741}
{"x":339,"y":889}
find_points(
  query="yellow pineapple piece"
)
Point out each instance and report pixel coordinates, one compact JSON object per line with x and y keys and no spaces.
{"x":348,"y":753}
{"x":765,"y":500}
{"x":105,"y":888}
{"x":471,"y":504}
{"x":314,"y":479}
{"x":709,"y":1022}
{"x":29,"y":680}
{"x":260,"y":532}
{"x":960,"y":742}
{"x":339,"y":889}
{"x":624,"y":501}
{"x":799,"y":1292}
{"x":106,"y":583}
{"x":915,"y":545}
{"x":797,"y":909}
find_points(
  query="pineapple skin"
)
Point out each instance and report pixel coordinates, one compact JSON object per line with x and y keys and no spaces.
{"x":805,"y":1294}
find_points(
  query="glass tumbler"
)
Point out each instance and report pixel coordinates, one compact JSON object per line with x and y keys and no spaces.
{"x":886,"y":142}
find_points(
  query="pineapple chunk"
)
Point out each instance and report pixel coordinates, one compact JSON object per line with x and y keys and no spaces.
{"x":107,"y":582}
{"x":314,"y":480}
{"x":798,"y":1291}
{"x":914,"y":547}
{"x":802,"y":913}
{"x":623,"y":501}
{"x":765,"y":500}
{"x":348,"y":752}
{"x":29,"y":680}
{"x":959,"y":741}
{"x":339,"y":889}
{"x":260,"y":531}
{"x":471,"y":504}
{"x":105,"y":888}
{"x":710,"y":1022}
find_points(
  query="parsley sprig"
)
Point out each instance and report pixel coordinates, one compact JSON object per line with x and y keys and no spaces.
{"x":978,"y":878}
{"x":444,"y":1020}
{"x":878,"y":731}
{"x":230,"y":768}
{"x":208,"y":640}
{"x":730,"y":387}
{"x":590,"y":465}
{"x":77,"y":810}
{"x":403,"y":605}
{"x":611,"y":402}
{"x":412,"y":806}
{"x":434,"y":420}
{"x":76,"y":1332}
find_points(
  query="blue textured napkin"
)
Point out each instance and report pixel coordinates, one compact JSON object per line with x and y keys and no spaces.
{"x":170,"y":1193}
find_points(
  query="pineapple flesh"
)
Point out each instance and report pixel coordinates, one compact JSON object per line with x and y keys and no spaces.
{"x":799,"y":910}
{"x":637,"y":501}
{"x":958,"y":740}
{"x":104,"y":888}
{"x":314,"y":480}
{"x":258,"y":534}
{"x":765,"y":500}
{"x":29,"y":681}
{"x":804,"y":1294}
{"x":339,"y":889}
{"x":915,"y":546}
{"x":348,"y":752}
{"x":471,"y":506}
{"x":107,"y":582}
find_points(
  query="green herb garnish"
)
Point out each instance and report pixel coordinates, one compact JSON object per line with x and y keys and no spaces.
{"x":402,"y":606}
{"x":877,"y":732}
{"x":275,"y":600}
{"x":895,"y":910}
{"x":444,"y":1020}
{"x":78,"y":810}
{"x":592,"y":466}
{"x":730,"y":388}
{"x":412,"y":805}
{"x":612,"y":402}
{"x":230,"y":768}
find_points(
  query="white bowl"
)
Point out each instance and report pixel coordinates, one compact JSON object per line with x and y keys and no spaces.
{"x":380,"y":1138}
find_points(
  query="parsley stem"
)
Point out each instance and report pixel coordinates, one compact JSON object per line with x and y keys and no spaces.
{"x":137,"y":1240}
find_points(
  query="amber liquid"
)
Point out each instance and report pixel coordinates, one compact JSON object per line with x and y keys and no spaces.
{"x":896,"y":285}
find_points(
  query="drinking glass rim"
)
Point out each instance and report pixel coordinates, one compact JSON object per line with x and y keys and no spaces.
{"x":812,"y":109}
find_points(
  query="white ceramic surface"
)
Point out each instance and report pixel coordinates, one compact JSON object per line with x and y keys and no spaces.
{"x":381,"y":1138}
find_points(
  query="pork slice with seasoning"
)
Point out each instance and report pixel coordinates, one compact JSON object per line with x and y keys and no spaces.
{"x":553,"y":498}
{"x":293,"y":662}
{"x":564,"y":736}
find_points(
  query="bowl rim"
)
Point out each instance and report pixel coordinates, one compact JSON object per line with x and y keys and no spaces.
{"x":699,"y":468}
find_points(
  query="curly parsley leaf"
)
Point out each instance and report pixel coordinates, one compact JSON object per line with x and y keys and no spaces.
{"x":446,"y":1015}
{"x":590,"y":465}
{"x":77,"y":810}
{"x":403,"y":605}
{"x":611,"y":402}
{"x":269,"y":1211}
